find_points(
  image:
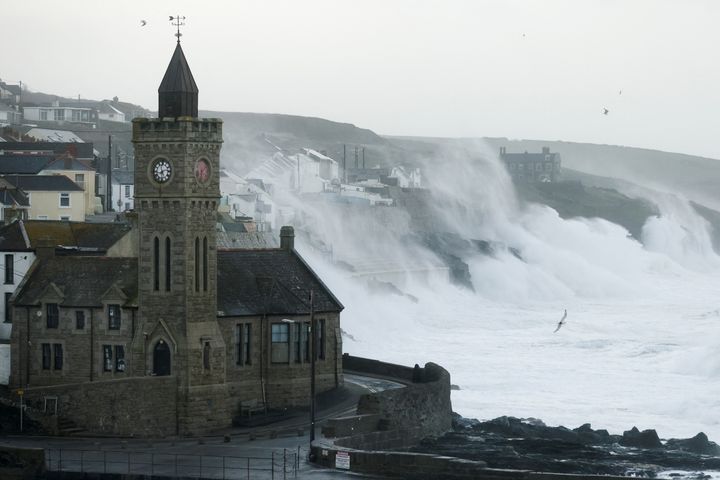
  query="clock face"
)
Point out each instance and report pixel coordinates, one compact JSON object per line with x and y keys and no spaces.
{"x":202,"y":171}
{"x":161,"y":171}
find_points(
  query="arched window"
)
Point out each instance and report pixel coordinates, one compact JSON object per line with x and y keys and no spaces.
{"x":205,"y":264}
{"x":161,"y":359}
{"x":197,"y":264}
{"x":206,"y":356}
{"x":168,"y":258}
{"x":156,"y":264}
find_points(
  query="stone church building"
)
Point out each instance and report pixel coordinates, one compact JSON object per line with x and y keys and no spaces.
{"x":180,"y":337}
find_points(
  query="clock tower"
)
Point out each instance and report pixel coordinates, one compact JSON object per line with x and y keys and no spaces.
{"x":177,"y":188}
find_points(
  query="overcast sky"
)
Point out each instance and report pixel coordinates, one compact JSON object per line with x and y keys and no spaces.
{"x":519,"y":69}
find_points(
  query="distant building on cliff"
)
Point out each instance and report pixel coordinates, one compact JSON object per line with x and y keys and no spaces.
{"x":532,"y":167}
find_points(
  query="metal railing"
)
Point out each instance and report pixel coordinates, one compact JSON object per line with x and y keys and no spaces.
{"x":280,"y":465}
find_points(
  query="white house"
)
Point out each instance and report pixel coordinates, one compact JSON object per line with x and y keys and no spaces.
{"x":9,"y":116}
{"x":59,"y":113}
{"x":123,"y":190}
{"x":109,"y":113}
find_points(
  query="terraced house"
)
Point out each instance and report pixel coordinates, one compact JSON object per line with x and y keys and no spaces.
{"x":176,"y":337}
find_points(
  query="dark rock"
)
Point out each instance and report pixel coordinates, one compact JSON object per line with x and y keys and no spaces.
{"x":454,"y":387}
{"x":697,"y":444}
{"x":644,"y":439}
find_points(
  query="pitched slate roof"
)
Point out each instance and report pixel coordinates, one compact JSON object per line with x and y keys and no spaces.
{"x":82,"y":280}
{"x":74,"y":149}
{"x":10,"y":196}
{"x":23,"y":164}
{"x":272,"y":282}
{"x":123,"y":177}
{"x":28,"y":234}
{"x":47,"y":183}
{"x":66,"y":163}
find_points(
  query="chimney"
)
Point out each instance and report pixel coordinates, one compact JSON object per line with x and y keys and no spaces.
{"x":502,"y":151}
{"x":287,"y":238}
{"x":546,"y":150}
{"x":44,"y":247}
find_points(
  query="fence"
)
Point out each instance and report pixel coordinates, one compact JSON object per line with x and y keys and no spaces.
{"x":278,"y":466}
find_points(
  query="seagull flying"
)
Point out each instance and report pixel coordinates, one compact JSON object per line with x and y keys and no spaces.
{"x":561,"y":322}
{"x":605,"y":111}
{"x":620,"y":92}
{"x":143,"y":23}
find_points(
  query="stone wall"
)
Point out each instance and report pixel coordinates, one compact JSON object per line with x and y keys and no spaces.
{"x":404,"y":415}
{"x":111,"y":407}
{"x":279,"y":385}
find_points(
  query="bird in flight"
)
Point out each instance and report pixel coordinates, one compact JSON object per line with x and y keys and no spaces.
{"x":561,"y":322}
{"x":143,"y":23}
{"x":620,"y":92}
{"x":605,"y":111}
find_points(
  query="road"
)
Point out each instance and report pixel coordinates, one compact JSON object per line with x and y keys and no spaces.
{"x":275,"y":451}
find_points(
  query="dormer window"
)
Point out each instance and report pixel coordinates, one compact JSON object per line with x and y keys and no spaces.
{"x":52,"y":315}
{"x":114,"y":319}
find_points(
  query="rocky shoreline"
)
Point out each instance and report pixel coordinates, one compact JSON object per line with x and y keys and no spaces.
{"x":528,"y":444}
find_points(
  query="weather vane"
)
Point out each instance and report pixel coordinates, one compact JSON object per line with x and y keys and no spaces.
{"x":177,"y":21}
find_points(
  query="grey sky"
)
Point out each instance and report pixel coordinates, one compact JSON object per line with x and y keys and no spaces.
{"x":521,"y":69}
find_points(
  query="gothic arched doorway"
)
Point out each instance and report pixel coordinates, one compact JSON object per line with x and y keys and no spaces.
{"x":161,"y":358}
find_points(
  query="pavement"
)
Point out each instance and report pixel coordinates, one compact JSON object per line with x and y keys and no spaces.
{"x":277,"y":450}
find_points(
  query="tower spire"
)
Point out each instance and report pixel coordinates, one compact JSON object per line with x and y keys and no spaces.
{"x":178,"y":92}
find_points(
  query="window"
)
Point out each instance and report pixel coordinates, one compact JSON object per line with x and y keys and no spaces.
{"x":197,"y":264}
{"x":119,"y":358}
{"x":114,"y":317}
{"x":127,"y":205}
{"x":279,"y":351}
{"x":52,"y":314}
{"x":46,"y":356}
{"x":156,"y":264}
{"x":64,"y":200}
{"x":107,"y":358}
{"x":320,"y":338}
{"x":76,"y":115}
{"x":58,"y":356}
{"x":42,"y":217}
{"x":206,"y":356}
{"x":302,"y":350}
{"x":167,"y":263}
{"x":79,"y":319}
{"x":65,"y":218}
{"x":59,"y":114}
{"x":242,"y":341}
{"x":205,"y":264}
{"x":43,"y":114}
{"x":8,"y":308}
{"x":127,"y":191}
{"x":9,"y":269}
{"x":80,"y":180}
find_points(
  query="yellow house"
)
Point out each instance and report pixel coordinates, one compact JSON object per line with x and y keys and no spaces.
{"x":78,"y":172}
{"x":51,"y":197}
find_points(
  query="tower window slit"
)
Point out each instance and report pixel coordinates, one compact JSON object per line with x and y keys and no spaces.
{"x":156,"y":264}
{"x":197,"y":264}
{"x":205,"y":264}
{"x":168,"y":258}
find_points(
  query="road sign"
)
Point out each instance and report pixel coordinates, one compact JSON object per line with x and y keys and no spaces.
{"x":20,"y":391}
{"x":342,"y":460}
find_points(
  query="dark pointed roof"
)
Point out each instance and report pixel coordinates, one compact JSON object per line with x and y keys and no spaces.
{"x":178,"y":93}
